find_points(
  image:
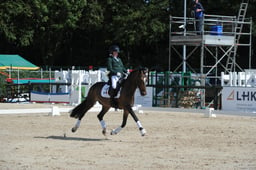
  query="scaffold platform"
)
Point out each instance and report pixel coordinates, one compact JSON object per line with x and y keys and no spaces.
{"x":196,"y":40}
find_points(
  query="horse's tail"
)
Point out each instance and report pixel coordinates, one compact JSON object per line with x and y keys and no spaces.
{"x":79,"y":110}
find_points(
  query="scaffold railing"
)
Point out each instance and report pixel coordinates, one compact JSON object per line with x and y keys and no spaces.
{"x":228,"y":24}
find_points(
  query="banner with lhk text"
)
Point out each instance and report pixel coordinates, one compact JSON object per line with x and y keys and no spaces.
{"x":239,"y":99}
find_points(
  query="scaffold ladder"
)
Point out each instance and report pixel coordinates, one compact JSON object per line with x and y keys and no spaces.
{"x":231,"y":60}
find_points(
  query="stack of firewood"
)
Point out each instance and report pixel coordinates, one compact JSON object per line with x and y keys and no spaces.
{"x":188,"y":99}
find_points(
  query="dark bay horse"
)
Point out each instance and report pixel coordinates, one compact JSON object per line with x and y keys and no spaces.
{"x":136,"y":79}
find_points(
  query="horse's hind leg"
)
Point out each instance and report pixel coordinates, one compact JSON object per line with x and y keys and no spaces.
{"x":80,"y":111}
{"x":77,"y":125}
{"x":102,"y":122}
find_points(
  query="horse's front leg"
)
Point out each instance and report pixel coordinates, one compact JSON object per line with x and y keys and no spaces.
{"x":118,"y":129}
{"x":125,"y":115}
{"x":142,"y":130}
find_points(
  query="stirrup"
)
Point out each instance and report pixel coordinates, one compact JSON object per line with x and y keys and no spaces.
{"x":114,"y":104}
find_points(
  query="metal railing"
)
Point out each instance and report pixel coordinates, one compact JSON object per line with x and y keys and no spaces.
{"x":228,"y":24}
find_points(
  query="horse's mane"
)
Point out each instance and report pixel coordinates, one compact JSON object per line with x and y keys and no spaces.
{"x":135,"y":71}
{"x":138,"y":69}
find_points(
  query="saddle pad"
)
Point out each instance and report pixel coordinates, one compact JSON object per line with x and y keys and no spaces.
{"x":104,"y":92}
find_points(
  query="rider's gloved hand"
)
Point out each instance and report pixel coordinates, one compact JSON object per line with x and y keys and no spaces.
{"x":118,"y":74}
{"x":125,"y":75}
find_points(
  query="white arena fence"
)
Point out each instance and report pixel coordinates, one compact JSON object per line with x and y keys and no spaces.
{"x":72,"y":85}
{"x":239,"y":79}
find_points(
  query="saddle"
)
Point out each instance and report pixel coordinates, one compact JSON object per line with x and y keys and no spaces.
{"x":105,"y":91}
{"x":106,"y":88}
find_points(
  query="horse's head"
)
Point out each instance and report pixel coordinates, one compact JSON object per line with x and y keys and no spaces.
{"x":137,"y":79}
{"x":141,"y":80}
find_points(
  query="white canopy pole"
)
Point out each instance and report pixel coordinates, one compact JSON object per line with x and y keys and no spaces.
{"x":185,"y":29}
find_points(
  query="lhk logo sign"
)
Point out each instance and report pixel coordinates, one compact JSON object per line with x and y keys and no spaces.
{"x":239,"y":98}
{"x":242,"y":95}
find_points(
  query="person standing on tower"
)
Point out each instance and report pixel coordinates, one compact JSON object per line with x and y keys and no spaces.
{"x":198,"y":10}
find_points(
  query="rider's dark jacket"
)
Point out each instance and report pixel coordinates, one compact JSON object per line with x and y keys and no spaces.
{"x":115,"y":65}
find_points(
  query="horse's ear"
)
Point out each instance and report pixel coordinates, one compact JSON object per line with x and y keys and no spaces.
{"x":144,"y":70}
{"x":141,"y":69}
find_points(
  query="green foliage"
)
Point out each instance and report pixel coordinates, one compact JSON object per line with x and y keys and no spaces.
{"x":15,"y":22}
{"x":133,"y":23}
{"x":2,"y":86}
{"x":92,"y":17}
{"x":54,"y":21}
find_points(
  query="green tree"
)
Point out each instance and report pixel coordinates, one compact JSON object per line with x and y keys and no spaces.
{"x":15,"y":22}
{"x":55,"y":20}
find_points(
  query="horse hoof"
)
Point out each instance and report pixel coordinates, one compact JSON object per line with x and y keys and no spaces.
{"x":113,"y":132}
{"x":73,"y":130}
{"x":104,"y":132}
{"x":143,"y":132}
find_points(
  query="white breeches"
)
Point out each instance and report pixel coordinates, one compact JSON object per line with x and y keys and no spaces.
{"x":114,"y":80}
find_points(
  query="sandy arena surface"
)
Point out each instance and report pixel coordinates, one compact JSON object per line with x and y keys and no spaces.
{"x":174,"y":140}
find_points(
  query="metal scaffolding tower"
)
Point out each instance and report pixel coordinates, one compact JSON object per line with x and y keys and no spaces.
{"x":217,"y":45}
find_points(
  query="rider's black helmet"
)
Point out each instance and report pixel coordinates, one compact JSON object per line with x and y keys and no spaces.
{"x":113,"y":48}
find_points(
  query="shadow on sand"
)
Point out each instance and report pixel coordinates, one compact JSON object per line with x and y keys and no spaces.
{"x":71,"y":138}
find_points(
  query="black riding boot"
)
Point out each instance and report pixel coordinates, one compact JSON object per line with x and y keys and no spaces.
{"x":113,"y":92}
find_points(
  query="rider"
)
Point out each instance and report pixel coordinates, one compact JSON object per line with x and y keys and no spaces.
{"x":116,"y":71}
